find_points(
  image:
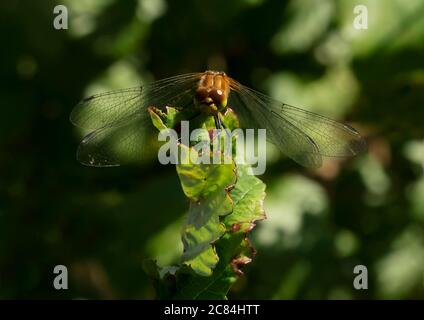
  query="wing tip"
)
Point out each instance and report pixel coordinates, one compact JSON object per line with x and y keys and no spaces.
{"x":90,"y":160}
{"x":73,"y":116}
{"x":358,"y":146}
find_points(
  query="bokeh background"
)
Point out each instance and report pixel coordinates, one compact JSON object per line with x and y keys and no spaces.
{"x":102,"y":223}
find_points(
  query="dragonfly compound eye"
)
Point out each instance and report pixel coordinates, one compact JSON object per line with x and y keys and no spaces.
{"x":201,"y":94}
{"x":217,"y":96}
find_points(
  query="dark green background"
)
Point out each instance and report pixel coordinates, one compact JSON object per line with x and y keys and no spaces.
{"x":102,"y":223}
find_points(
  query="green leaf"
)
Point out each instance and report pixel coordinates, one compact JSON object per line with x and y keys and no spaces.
{"x":206,"y":185}
{"x":225,"y":203}
{"x":248,"y":196}
{"x":230,"y":119}
{"x":192,"y":286}
{"x":164,"y":120}
{"x":163,"y":278}
{"x":233,"y":248}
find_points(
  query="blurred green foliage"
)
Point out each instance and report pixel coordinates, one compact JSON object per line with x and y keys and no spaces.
{"x":102,"y":223}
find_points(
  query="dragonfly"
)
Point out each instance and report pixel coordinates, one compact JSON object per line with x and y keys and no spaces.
{"x":120,"y":117}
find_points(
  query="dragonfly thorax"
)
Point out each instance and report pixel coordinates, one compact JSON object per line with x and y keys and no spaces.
{"x":211,"y":94}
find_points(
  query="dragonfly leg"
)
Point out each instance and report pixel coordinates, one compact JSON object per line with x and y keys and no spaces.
{"x":222,"y":124}
{"x":218,"y":123}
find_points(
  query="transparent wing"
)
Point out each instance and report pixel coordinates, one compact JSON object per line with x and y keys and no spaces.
{"x":116,"y":108}
{"x":117,"y":120}
{"x":108,"y":109}
{"x":302,"y":135}
{"x":113,"y":146}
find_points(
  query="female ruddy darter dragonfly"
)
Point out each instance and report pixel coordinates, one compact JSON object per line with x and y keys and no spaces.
{"x":120,"y":117}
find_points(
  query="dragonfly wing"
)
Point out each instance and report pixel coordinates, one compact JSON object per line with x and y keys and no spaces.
{"x":113,"y":146}
{"x":302,"y":135}
{"x":117,"y":107}
{"x":117,"y":120}
{"x":108,"y":109}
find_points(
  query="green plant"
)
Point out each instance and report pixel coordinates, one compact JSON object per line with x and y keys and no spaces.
{"x":225,"y":204}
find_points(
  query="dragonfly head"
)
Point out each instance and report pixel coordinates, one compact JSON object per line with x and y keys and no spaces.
{"x":212,"y":92}
{"x":210,"y":100}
